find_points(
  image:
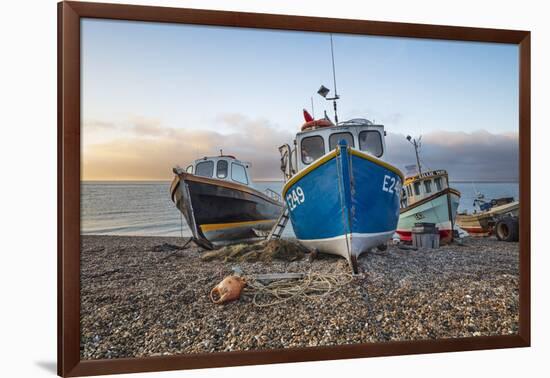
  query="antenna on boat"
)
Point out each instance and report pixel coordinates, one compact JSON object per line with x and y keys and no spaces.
{"x":323,"y":91}
{"x":221,"y":152}
{"x":333,"y":67}
{"x":416,"y":144}
{"x":312,"y":108}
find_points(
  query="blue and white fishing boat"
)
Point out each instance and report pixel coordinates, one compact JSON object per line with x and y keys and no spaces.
{"x":342,"y":197}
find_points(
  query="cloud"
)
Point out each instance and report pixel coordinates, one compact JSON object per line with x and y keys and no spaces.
{"x":148,"y":127}
{"x":480,"y":155}
{"x":95,"y":125}
{"x":148,"y":150}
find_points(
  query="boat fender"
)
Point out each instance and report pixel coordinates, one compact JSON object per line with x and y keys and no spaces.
{"x":228,"y":289}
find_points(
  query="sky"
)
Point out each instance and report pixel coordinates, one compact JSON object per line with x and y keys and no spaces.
{"x":155,"y":95}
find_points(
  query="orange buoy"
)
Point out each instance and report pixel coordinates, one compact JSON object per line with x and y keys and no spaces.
{"x":228,"y":290}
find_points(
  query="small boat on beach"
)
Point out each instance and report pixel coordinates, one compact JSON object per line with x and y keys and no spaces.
{"x":427,"y":197}
{"x":342,"y":198}
{"x":219,"y":202}
{"x":487,"y":214}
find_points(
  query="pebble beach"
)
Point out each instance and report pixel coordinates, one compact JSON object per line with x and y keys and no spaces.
{"x":149,"y":296}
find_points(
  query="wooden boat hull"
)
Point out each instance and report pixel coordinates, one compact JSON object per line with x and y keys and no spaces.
{"x":439,"y":208}
{"x":482,"y":223}
{"x":219,"y":211}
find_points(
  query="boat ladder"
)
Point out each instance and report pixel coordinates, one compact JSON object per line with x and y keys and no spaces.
{"x":279,"y":226}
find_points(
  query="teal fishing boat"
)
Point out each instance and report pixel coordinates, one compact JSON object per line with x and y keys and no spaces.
{"x":427,"y":197}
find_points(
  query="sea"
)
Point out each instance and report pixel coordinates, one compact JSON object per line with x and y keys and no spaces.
{"x":144,"y":208}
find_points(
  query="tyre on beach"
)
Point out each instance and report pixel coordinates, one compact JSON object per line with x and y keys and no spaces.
{"x":507,"y":229}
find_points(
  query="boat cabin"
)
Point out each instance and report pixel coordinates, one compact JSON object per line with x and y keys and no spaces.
{"x":422,"y":186}
{"x":223,"y":167}
{"x":313,"y":143}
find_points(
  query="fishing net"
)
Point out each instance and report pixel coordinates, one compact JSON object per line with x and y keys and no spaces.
{"x":276,"y":249}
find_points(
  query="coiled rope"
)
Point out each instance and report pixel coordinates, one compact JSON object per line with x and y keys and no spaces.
{"x":313,"y":285}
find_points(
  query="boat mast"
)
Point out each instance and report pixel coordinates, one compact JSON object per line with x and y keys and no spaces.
{"x":323,"y":91}
{"x":336,"y":97}
{"x":416,"y":144}
{"x":417,"y":157}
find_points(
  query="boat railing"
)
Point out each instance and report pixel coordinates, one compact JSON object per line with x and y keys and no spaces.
{"x":356,"y":122}
{"x":273,"y":194}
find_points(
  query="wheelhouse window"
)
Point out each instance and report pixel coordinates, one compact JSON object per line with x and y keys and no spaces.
{"x":238,"y":173}
{"x":403,"y":198}
{"x":221,"y":169}
{"x":189,"y":169}
{"x":438,"y":185}
{"x":337,"y":137}
{"x":428,"y":186}
{"x":371,"y":142}
{"x":416,"y":186}
{"x":313,"y":148}
{"x":205,"y":168}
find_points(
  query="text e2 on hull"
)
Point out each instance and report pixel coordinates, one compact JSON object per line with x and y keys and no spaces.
{"x":221,"y":211}
{"x":345,"y":203}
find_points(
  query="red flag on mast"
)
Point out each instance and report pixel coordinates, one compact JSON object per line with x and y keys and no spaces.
{"x":307,"y":116}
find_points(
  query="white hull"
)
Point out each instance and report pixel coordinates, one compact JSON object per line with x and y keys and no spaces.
{"x":349,"y":245}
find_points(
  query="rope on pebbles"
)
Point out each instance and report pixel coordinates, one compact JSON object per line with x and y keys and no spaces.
{"x":313,"y":285}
